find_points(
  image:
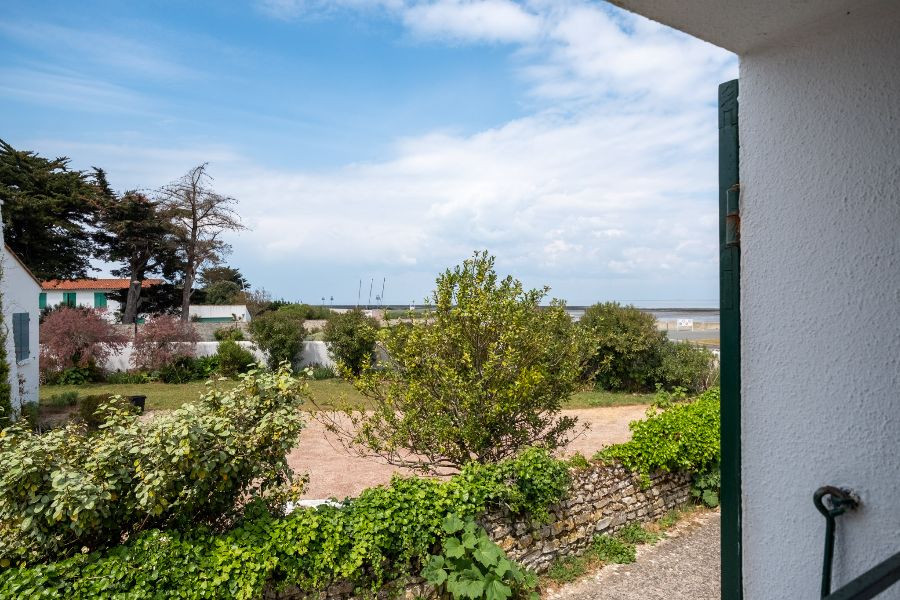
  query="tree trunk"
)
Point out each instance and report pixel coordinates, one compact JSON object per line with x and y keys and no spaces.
{"x":134,"y":297}
{"x":186,"y":295}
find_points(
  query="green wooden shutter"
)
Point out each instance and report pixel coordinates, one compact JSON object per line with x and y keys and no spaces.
{"x":69,"y":298}
{"x":99,"y":300}
{"x":42,"y":300}
{"x":20,"y":336}
{"x":730,"y":347}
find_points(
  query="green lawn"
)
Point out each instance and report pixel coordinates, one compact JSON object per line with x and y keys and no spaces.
{"x":327,"y":393}
{"x":596,"y":399}
{"x":166,"y":396}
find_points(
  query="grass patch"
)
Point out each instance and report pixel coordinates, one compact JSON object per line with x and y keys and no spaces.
{"x":604,"y":550}
{"x":328,"y":393}
{"x":602,"y":398}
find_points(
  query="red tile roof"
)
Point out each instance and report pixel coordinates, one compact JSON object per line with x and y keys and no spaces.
{"x":93,"y":284}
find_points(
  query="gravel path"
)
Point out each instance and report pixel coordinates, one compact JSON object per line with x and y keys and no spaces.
{"x":335,"y":473}
{"x":683,"y":565}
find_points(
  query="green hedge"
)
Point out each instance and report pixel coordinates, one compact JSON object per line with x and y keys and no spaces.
{"x":75,"y":488}
{"x":385,"y":534}
{"x":683,"y":437}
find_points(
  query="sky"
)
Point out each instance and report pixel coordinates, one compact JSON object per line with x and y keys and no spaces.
{"x":388,"y":140}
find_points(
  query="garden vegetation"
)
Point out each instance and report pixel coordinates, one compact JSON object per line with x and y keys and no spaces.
{"x":482,"y":380}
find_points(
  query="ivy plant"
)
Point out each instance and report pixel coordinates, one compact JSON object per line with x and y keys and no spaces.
{"x":474,"y":567}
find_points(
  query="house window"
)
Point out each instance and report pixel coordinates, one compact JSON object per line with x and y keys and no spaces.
{"x":20,"y":336}
{"x":99,"y":300}
{"x":69,"y":298}
{"x":42,"y":301}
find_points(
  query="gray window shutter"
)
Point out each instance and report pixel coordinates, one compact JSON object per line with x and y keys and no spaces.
{"x":20,"y":335}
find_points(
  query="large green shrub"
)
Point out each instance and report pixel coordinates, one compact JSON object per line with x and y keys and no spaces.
{"x":626,"y":346}
{"x":73,"y":489}
{"x":279,"y":334}
{"x":386,"y":533}
{"x":685,"y":365}
{"x":233,"y":359}
{"x":229,"y":333}
{"x":481,"y":380}
{"x":683,"y":437}
{"x":351,"y":338}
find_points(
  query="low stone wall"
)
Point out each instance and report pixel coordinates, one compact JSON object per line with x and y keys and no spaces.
{"x":603,"y":499}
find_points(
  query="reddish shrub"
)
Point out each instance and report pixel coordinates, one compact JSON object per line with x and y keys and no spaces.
{"x":76,"y":337}
{"x":162,"y":340}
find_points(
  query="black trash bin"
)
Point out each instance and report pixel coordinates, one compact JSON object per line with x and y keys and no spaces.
{"x":139,"y":402}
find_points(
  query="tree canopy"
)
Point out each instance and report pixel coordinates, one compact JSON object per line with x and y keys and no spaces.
{"x":199,"y":217}
{"x":49,"y":213}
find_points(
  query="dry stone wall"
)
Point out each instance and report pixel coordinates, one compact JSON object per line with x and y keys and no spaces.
{"x":603,"y":498}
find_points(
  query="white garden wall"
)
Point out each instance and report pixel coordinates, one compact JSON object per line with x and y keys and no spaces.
{"x":313,"y":352}
{"x":820,"y":237}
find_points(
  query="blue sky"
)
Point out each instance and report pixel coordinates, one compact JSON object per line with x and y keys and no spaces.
{"x":391,"y":138}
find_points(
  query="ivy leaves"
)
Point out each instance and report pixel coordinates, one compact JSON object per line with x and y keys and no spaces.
{"x":472,"y":566}
{"x":682,"y":437}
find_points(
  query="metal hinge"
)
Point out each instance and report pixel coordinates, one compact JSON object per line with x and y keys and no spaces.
{"x":733,"y":216}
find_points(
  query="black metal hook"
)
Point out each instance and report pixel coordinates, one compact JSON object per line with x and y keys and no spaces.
{"x":840,"y":501}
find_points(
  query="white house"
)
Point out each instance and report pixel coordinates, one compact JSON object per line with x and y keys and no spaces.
{"x":219,"y":313}
{"x":20,"y":291}
{"x":90,"y":293}
{"x":810,"y":289}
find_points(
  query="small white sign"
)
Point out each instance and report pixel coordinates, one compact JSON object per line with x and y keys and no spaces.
{"x":685,"y":323}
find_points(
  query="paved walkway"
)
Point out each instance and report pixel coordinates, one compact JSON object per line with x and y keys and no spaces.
{"x":684,"y":565}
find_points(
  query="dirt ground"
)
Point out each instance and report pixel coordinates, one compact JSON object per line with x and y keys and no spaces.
{"x":335,"y":473}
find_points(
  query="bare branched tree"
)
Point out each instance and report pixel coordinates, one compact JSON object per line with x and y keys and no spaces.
{"x":199,"y":216}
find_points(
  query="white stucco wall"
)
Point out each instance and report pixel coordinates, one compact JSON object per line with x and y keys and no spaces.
{"x":20,"y":294}
{"x":314,"y":352}
{"x":820,"y":237}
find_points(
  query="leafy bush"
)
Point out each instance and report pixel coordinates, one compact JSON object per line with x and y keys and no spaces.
{"x":687,"y":366}
{"x":233,"y":359}
{"x":351,"y":338}
{"x":482,"y":380}
{"x":613,"y":549}
{"x":684,"y":437}
{"x":75,"y":375}
{"x":160,"y":341}
{"x":234,"y":334}
{"x":280,"y":335}
{"x":626,"y":346}
{"x":384,"y":534}
{"x":62,"y":400}
{"x":31,"y":414}
{"x":94,"y":409}
{"x":75,"y":338}
{"x":304,"y":312}
{"x":127,"y":377}
{"x":222,"y":292}
{"x":73,"y":489}
{"x":472,"y":566}
{"x":319,"y":372}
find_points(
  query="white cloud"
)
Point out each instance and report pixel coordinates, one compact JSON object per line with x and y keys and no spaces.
{"x":472,"y":20}
{"x":608,"y":185}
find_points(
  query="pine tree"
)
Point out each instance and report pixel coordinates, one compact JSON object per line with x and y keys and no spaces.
{"x":49,"y":213}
